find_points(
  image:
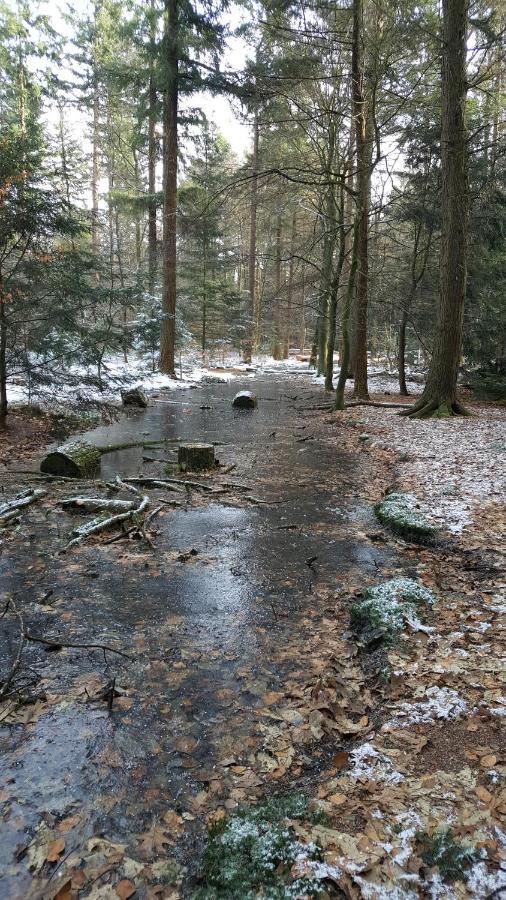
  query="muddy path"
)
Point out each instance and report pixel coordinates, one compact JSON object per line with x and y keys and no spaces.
{"x":227,"y":623}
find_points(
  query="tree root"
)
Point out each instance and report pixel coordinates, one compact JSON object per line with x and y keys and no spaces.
{"x":378,"y":405}
{"x":434,"y":409}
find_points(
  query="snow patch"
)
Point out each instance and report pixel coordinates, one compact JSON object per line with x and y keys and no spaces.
{"x":439,"y":704}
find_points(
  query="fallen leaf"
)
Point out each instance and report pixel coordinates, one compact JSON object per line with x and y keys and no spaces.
{"x":125,"y":889}
{"x":337,"y":799}
{"x":55,"y":849}
{"x":340,"y":759}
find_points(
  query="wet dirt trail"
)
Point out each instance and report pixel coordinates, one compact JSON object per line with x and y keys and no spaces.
{"x":224,"y":621}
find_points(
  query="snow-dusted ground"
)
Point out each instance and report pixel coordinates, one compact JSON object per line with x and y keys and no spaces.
{"x":454,"y":465}
{"x":79,"y":385}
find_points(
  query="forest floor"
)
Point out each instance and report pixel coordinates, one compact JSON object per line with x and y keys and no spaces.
{"x":322,"y":764}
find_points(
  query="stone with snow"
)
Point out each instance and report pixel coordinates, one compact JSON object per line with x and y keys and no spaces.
{"x":134,"y":397}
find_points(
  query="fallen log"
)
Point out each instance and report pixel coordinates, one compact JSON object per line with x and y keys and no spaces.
{"x":80,"y":459}
{"x":245,"y":400}
{"x":10,"y":510}
{"x":76,"y":459}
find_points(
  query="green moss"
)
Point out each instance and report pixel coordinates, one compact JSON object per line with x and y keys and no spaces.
{"x":451,"y":858}
{"x":251,"y":854}
{"x":383,"y":610}
{"x":399,"y":512}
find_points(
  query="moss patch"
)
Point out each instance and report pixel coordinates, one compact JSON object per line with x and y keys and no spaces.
{"x":252,"y":853}
{"x":384,"y":609}
{"x":451,"y":858}
{"x":400,"y":513}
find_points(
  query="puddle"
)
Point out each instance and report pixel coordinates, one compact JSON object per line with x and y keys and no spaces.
{"x":210,"y":633}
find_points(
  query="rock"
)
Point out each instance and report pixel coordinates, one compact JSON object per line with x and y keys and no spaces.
{"x":134,"y":397}
{"x":245,"y":400}
{"x":73,"y":460}
{"x":196,"y":457}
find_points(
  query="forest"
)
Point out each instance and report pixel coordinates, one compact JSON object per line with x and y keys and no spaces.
{"x":252,"y":435}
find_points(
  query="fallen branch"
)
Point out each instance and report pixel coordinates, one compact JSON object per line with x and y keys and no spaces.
{"x":95,"y":504}
{"x":11,"y":509}
{"x":73,"y":644}
{"x":97,"y":526}
{"x":170,"y":484}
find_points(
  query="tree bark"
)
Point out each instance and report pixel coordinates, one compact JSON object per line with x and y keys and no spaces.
{"x":252,"y":255}
{"x":276,"y":344}
{"x":363,"y":138}
{"x":439,"y":397}
{"x":3,"y":364}
{"x":289,"y":295}
{"x":170,"y":153}
{"x":350,"y":291}
{"x":334,"y":291}
{"x":152,"y":249}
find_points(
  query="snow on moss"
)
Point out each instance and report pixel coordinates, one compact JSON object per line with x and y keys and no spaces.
{"x":385,"y":608}
{"x":402,"y":513}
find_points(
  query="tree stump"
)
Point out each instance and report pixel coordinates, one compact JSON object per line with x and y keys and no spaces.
{"x":245,"y":400}
{"x":73,"y":460}
{"x":196,"y":457}
{"x":134,"y":397}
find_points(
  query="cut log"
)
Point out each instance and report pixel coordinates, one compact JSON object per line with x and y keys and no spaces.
{"x":134,"y":397}
{"x":196,"y":457}
{"x":76,"y":459}
{"x":245,"y":400}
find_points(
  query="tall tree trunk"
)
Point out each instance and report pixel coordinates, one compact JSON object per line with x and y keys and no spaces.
{"x":363,"y":137}
{"x":336,"y":279}
{"x":170,"y":152}
{"x":403,"y":388}
{"x":439,"y":397}
{"x":289,"y":295}
{"x":252,"y":255}
{"x":276,"y":344}
{"x":350,"y":291}
{"x":348,"y":216}
{"x":302,"y":338}
{"x":152,"y":248}
{"x":3,"y":363}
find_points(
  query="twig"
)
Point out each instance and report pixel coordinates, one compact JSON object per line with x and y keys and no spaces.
{"x":17,"y":659}
{"x":40,"y":640}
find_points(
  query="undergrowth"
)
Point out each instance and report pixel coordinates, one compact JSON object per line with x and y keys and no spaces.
{"x":252,"y":853}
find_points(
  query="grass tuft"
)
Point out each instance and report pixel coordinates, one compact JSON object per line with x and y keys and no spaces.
{"x":451,"y":858}
{"x":384,"y":609}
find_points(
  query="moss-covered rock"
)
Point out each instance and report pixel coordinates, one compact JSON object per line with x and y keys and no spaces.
{"x":252,"y":853}
{"x":402,"y":514}
{"x":383,"y":611}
